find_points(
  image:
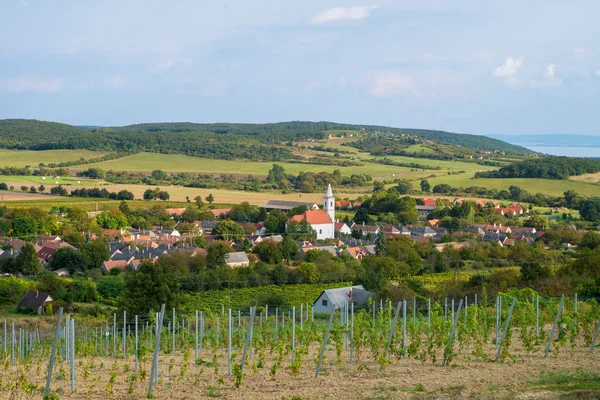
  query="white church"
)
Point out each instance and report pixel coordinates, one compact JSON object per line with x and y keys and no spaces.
{"x":322,"y":221}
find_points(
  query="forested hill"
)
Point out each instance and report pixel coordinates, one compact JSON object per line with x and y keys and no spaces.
{"x":251,"y":141}
{"x":547,"y":168}
{"x":306,"y":129}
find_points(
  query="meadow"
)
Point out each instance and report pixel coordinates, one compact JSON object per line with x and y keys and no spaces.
{"x":22,"y":158}
{"x":545,"y":186}
{"x":179,"y":163}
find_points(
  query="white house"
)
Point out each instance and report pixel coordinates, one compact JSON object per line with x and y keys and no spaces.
{"x":322,"y":221}
{"x":331,"y":299}
{"x":343,"y":228}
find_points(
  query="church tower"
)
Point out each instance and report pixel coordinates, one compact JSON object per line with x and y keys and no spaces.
{"x":329,"y":203}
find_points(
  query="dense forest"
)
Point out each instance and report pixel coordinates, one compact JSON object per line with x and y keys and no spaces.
{"x":223,"y":140}
{"x":547,"y":168}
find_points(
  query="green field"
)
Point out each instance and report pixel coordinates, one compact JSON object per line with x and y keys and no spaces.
{"x":22,"y":158}
{"x":419,"y":148}
{"x":545,"y":186}
{"x":179,"y":163}
{"x":444,"y":164}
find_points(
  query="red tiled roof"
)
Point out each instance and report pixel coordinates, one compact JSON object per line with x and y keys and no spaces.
{"x":218,"y":211}
{"x":428,"y":201}
{"x":312,"y":217}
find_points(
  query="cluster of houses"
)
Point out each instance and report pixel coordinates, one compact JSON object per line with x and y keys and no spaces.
{"x":128,"y":247}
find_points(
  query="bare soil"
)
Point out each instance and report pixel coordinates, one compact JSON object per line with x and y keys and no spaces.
{"x":403,"y":379}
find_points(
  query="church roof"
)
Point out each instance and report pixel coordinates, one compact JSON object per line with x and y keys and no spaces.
{"x":312,"y":217}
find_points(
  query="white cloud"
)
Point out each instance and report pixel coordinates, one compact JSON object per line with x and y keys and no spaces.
{"x":389,"y":83}
{"x":598,"y":73}
{"x":342,"y":13}
{"x":549,"y":78}
{"x":51,"y":85}
{"x":509,"y":68}
{"x":114,"y":81}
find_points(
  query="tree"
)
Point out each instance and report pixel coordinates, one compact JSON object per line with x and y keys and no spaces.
{"x":425,"y":186}
{"x":442,"y":188}
{"x":590,"y":240}
{"x":590,"y":209}
{"x":309,"y":272}
{"x":24,"y":188}
{"x":125,"y":195}
{"x":275,"y":222}
{"x":3,"y":186}
{"x":199,"y":202}
{"x":24,"y":227}
{"x":159,"y":175}
{"x":217,"y":254}
{"x":152,"y":285}
{"x":163,"y":195}
{"x":124,"y":207}
{"x":532,"y":270}
{"x":380,"y":243}
{"x":68,"y":258}
{"x":151,"y":194}
{"x":301,"y":231}
{"x":95,"y":253}
{"x":210,"y":198}
{"x":378,"y":185}
{"x":228,"y":230}
{"x":80,"y":220}
{"x":362,"y":216}
{"x":42,"y":189}
{"x":404,"y":187}
{"x":28,"y":262}
{"x":111,"y":286}
{"x":288,"y":248}
{"x":268,"y":252}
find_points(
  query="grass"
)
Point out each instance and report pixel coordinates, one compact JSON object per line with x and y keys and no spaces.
{"x":532,"y":185}
{"x":568,"y":381}
{"x":49,"y":180}
{"x":419,"y":148}
{"x":21,"y":158}
{"x":180,"y":163}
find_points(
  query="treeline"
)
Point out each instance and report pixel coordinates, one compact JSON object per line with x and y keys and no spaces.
{"x":387,"y":161}
{"x":380,"y":146}
{"x":546,"y":168}
{"x":309,"y":182}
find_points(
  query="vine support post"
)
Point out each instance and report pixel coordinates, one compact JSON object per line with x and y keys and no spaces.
{"x":277,"y":323}
{"x":575,"y":310}
{"x":595,"y":337}
{"x":124,"y":334}
{"x":537,"y":316}
{"x":196,"y":359}
{"x":352,"y":332}
{"x":293,"y":332}
{"x":403,"y":328}
{"x":229,"y":325}
{"x":322,"y":353}
{"x":429,"y":313}
{"x":248,"y":338}
{"x":136,"y":344}
{"x":391,"y":334}
{"x":72,"y":353}
{"x":53,"y":354}
{"x":507,"y":323}
{"x":551,"y":337}
{"x":454,"y":324}
{"x":154,"y":370}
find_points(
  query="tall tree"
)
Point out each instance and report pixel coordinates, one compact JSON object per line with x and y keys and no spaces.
{"x":28,"y":261}
{"x":149,"y":287}
{"x":425,"y":186}
{"x":380,"y":243}
{"x":70,"y":259}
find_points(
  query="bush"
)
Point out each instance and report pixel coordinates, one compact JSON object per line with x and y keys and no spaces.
{"x":12,"y":290}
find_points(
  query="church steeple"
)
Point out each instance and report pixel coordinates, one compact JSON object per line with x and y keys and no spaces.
{"x":329,"y":203}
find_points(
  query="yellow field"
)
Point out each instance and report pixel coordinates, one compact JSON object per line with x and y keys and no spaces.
{"x":587,"y":178}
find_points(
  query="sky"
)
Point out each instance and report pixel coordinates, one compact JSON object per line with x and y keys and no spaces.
{"x":471,"y":66}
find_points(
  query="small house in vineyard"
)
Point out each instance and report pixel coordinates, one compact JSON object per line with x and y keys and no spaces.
{"x":331,"y":299}
{"x":35,"y":301}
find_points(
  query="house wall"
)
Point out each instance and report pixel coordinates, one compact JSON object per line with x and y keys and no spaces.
{"x":318,"y":306}
{"x":324,"y":231}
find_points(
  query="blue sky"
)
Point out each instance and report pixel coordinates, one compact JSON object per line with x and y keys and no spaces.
{"x":509,"y":67}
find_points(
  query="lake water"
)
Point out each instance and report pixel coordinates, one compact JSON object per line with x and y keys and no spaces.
{"x":565,"y":151}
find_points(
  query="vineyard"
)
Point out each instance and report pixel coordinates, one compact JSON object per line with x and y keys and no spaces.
{"x":447,"y":349}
